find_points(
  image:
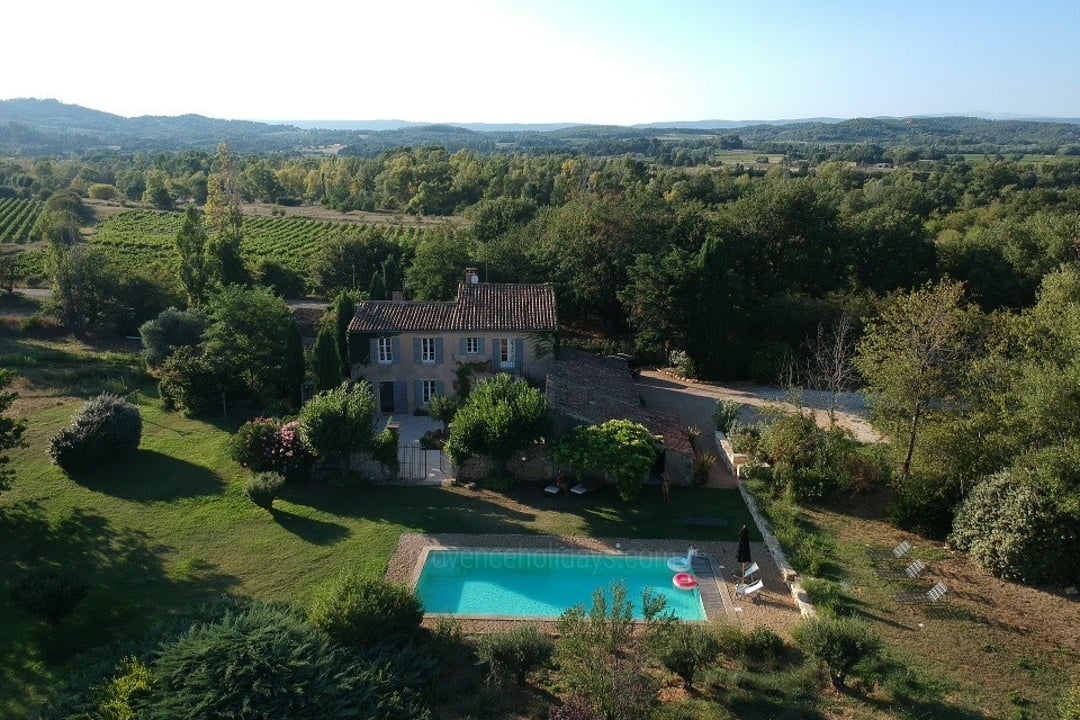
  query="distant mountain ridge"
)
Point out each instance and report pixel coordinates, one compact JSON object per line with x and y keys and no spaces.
{"x":34,"y":127}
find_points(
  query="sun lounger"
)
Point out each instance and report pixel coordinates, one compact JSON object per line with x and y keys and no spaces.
{"x":915,"y":569}
{"x":930,"y":597}
{"x":585,"y":487}
{"x":890,"y":563}
{"x":553,"y":489}
{"x":751,"y":590}
{"x":704,"y":521}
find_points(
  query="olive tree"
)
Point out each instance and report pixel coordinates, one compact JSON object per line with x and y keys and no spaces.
{"x":339,"y":422}
{"x":501,"y":416}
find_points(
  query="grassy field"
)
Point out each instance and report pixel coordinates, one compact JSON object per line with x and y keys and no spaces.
{"x":171,"y":528}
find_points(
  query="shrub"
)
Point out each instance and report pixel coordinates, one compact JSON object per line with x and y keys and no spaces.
{"x":50,"y":593}
{"x":106,"y":428}
{"x":114,"y":697}
{"x":921,"y":509}
{"x":171,"y":329}
{"x":591,"y":654}
{"x":826,"y":595}
{"x":745,"y":439}
{"x":359,"y":610}
{"x":791,"y":439}
{"x":703,"y":464}
{"x":267,"y":661}
{"x":684,"y":649}
{"x":500,"y":481}
{"x":575,"y":708}
{"x":840,"y":643}
{"x":385,"y":450}
{"x":192,"y":383}
{"x":514,"y":653}
{"x":269,"y":445}
{"x":261,"y":488}
{"x":764,"y":644}
{"x":725,"y":414}
{"x":338,"y":422}
{"x":1018,"y":528}
{"x":731,"y":639}
{"x":447,"y":639}
{"x":252,"y":444}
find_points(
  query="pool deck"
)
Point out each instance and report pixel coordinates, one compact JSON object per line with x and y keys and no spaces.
{"x":773,"y":608}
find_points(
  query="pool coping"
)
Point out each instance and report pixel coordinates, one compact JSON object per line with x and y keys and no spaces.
{"x":411,"y":554}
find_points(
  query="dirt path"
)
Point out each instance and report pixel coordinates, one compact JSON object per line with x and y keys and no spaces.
{"x":693,"y":402}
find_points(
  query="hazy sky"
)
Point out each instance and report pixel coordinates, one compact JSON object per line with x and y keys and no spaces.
{"x":591,"y":61}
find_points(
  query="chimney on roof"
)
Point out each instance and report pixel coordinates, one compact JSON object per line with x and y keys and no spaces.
{"x":472,"y":276}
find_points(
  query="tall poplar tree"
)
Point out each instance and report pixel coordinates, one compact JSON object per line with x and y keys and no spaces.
{"x":191,"y":244}
{"x":225,"y":218}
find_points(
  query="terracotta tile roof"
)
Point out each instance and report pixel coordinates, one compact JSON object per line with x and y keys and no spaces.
{"x":593,"y":389}
{"x":479,"y":306}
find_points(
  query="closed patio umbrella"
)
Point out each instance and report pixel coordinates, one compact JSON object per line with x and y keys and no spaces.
{"x":742,"y":554}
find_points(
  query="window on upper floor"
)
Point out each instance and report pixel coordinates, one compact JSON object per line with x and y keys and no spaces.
{"x":504,"y":352}
{"x":472,"y":346}
{"x":427,"y":350}
{"x":386,"y":351}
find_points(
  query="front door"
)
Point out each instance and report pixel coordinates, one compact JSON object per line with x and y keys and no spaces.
{"x":386,"y":397}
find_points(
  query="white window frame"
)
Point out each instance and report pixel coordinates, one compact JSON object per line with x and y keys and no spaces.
{"x":472,"y":346}
{"x":427,"y":391}
{"x":506,"y":352}
{"x":386,"y":351}
{"x":427,"y":350}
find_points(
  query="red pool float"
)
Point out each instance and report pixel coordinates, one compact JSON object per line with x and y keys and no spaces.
{"x":684,"y":581}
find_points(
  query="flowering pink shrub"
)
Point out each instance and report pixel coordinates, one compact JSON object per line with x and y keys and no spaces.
{"x":290,"y":454}
{"x":269,"y":445}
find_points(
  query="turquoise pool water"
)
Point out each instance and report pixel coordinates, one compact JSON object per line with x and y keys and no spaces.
{"x":543,"y":584}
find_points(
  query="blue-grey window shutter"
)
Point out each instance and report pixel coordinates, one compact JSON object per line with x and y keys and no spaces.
{"x":480,"y":345}
{"x":419,"y":386}
{"x":495,"y":350}
{"x":519,"y":353}
{"x":464,"y":345}
{"x":395,"y":351}
{"x":374,"y":352}
{"x":439,"y":387}
{"x":401,"y":399}
{"x":416,"y":351}
{"x":438,"y":351}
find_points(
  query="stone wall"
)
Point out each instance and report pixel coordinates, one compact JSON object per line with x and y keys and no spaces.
{"x":531,"y":465}
{"x":733,"y":461}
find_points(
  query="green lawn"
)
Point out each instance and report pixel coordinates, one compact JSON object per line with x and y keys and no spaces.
{"x":170,"y":527}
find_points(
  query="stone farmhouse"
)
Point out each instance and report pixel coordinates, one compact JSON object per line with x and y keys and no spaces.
{"x":410,"y":351}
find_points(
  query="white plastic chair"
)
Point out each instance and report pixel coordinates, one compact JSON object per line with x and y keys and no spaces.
{"x":751,"y":590}
{"x":750,"y":572}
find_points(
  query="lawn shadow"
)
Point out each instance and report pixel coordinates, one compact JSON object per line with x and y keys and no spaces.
{"x":317,"y":532}
{"x":129,"y":588}
{"x":764,"y":707}
{"x":151,"y":476}
{"x":608,"y":515}
{"x":421,"y":509}
{"x":913,"y":693}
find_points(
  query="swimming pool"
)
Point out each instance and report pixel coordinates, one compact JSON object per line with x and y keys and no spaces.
{"x":543,"y":584}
